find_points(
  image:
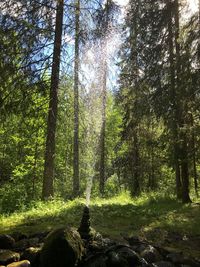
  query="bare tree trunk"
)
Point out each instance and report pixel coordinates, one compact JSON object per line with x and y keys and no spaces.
{"x":173,"y":100}
{"x":34,"y":167}
{"x":194,"y":165}
{"x":104,"y":97}
{"x":199,"y":38}
{"x":184,"y":173}
{"x":76,"y":182}
{"x":47,"y":190}
{"x":135,"y":190}
{"x":136,"y":175}
{"x":193,"y":148}
{"x":103,"y":129}
{"x":183,"y":110}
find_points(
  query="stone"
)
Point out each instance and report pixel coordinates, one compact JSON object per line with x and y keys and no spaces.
{"x":62,"y":247}
{"x":143,"y":263}
{"x":24,"y":263}
{"x":176,"y":258}
{"x":41,"y":235}
{"x":133,"y":240}
{"x":84,"y":228}
{"x":114,"y":259}
{"x":150,"y":254}
{"x":97,"y":260}
{"x":19,"y":236}
{"x":32,"y":254}
{"x":163,"y":264}
{"x":26,"y":243}
{"x":123,"y":256}
{"x":8,"y":256}
{"x":6,"y":242}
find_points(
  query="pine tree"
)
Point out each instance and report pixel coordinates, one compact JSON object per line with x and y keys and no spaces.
{"x":76,"y":186}
{"x":47,"y":190}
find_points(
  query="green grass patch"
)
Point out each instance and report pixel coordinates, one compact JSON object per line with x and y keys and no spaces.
{"x":115,"y":216}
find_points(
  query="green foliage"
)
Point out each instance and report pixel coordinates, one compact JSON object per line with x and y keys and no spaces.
{"x":21,"y":154}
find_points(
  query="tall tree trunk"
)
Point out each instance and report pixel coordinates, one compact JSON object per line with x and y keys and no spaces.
{"x":152,"y":181}
{"x":47,"y":190}
{"x":103,"y":131}
{"x":76,"y":182}
{"x":136,"y":175}
{"x":182,"y":111}
{"x":173,"y":101}
{"x":135,"y":190}
{"x":199,"y":38}
{"x":193,"y":145}
{"x":104,"y":94}
{"x":34,"y":167}
{"x":184,"y":173}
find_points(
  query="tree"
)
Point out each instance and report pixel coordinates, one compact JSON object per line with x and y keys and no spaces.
{"x":76,"y":186}
{"x":47,"y":190}
{"x":130,"y":86}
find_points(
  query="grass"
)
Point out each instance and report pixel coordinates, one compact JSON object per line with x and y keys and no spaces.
{"x":116,"y":217}
{"x":111,"y":216}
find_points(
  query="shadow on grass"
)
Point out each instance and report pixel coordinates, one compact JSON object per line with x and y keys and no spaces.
{"x":114,"y":219}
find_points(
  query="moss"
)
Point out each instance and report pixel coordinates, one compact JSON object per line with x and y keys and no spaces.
{"x":63,"y":247}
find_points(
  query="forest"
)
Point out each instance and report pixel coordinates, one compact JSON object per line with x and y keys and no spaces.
{"x":99,"y":113}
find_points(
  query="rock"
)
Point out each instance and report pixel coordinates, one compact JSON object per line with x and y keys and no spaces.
{"x":107,"y":242}
{"x":6,"y":241}
{"x":24,"y":263}
{"x":84,"y":228}
{"x":114,"y":260}
{"x":8,"y":256}
{"x":26,"y":243}
{"x":19,"y":236}
{"x":100,"y":245}
{"x":62,"y":247}
{"x":143,"y":263}
{"x":151,"y":254}
{"x":163,"y":264}
{"x":33,"y":255}
{"x":123,"y":256}
{"x":175,"y":257}
{"x":41,"y":235}
{"x":97,"y":260}
{"x":133,"y":240}
{"x":140,"y":247}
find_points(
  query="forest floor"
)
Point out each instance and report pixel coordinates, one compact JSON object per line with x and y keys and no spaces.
{"x":162,"y":221}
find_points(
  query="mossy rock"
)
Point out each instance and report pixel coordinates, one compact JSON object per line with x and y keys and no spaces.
{"x":8,"y":256}
{"x":63,"y":247}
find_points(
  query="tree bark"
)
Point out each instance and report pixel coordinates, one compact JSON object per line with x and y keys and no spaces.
{"x":104,"y":97}
{"x":135,"y":190}
{"x":185,"y":174}
{"x":76,"y":182}
{"x":194,"y":158}
{"x":183,"y":109}
{"x":173,"y":100}
{"x":136,"y":175}
{"x":47,"y":190}
{"x":103,"y":130}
